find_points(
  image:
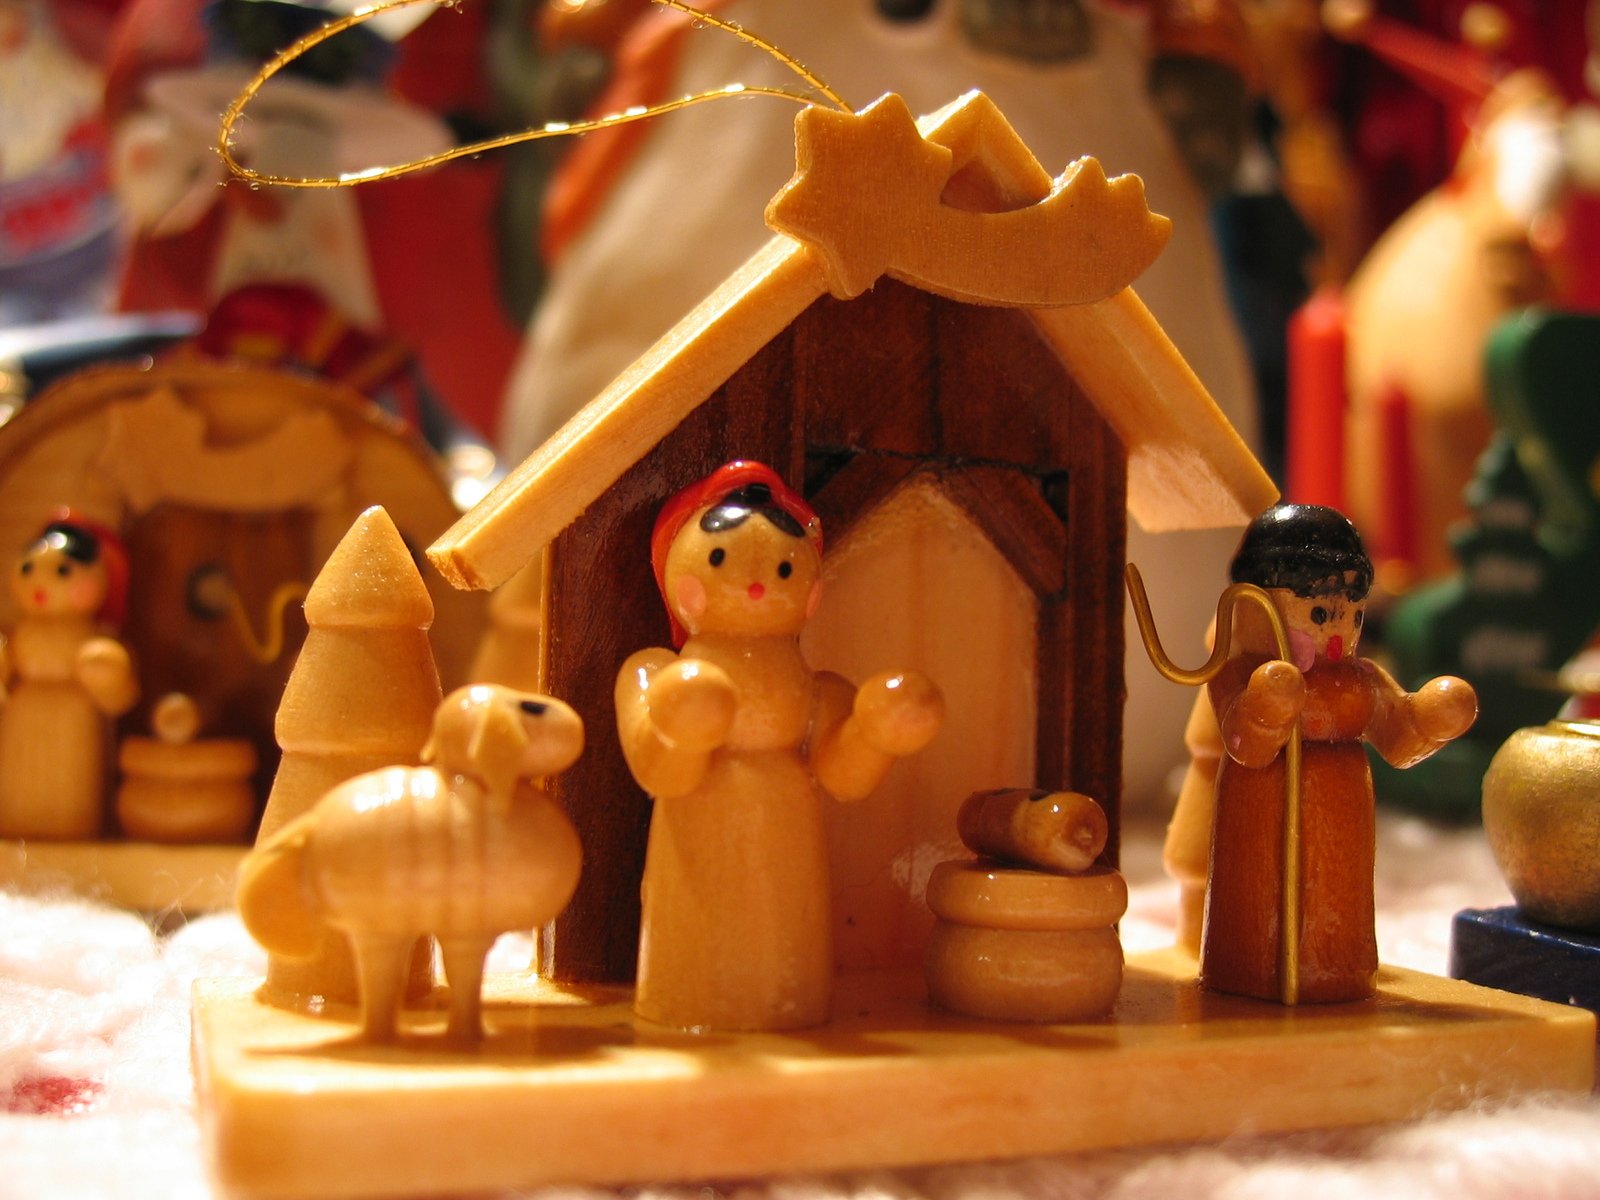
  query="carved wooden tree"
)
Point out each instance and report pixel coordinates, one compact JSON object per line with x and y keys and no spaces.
{"x":512,"y":650}
{"x":361,"y":696}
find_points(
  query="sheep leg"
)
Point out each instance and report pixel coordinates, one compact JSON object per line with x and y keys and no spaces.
{"x":463,"y":970}
{"x":381,"y":962}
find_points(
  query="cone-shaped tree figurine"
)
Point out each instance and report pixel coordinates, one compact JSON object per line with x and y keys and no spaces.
{"x":512,"y":650}
{"x":361,"y":696}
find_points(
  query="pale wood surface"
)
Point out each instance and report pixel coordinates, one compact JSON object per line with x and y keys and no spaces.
{"x":1188,"y":469}
{"x":512,"y":651}
{"x":297,"y":1109}
{"x":916,"y":584}
{"x":135,"y":875}
{"x":868,"y":196}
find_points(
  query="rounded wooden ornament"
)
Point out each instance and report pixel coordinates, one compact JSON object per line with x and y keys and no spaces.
{"x":187,"y":792}
{"x":1019,"y":945}
{"x":983,"y":893}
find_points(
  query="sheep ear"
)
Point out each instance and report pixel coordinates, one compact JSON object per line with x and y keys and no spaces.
{"x":496,"y":749}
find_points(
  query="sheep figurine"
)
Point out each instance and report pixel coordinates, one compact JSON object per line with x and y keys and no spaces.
{"x":465,"y":847}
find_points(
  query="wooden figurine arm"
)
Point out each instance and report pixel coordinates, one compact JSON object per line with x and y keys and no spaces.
{"x":1187,"y":850}
{"x":105,"y":670}
{"x":1407,"y":727}
{"x":1257,"y":713}
{"x":892,"y":715}
{"x":672,"y":714}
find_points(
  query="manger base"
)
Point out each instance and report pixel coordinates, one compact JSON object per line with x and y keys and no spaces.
{"x":144,"y":876}
{"x":580,"y":1091}
{"x":1501,"y":948}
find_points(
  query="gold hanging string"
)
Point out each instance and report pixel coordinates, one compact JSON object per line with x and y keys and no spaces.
{"x":267,"y":649}
{"x":1232,"y":596}
{"x":235,"y":111}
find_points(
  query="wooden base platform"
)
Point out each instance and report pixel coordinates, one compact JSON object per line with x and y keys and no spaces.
{"x":577,"y":1090}
{"x":143,"y":876}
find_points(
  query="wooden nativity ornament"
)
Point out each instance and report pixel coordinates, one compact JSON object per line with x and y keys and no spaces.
{"x":972,"y":433}
{"x":137,"y":746}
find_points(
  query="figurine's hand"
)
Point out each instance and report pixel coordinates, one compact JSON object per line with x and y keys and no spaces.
{"x":692,"y":704}
{"x":105,"y":671}
{"x":1275,"y":695}
{"x":1444,"y":708}
{"x":1265,"y":712}
{"x":899,"y":714}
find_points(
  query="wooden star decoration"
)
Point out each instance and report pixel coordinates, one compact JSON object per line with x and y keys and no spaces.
{"x":867,"y":198}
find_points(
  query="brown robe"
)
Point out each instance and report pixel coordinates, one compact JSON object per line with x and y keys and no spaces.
{"x":1338,"y":942}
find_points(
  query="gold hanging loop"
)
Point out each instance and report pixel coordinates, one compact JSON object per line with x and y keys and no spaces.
{"x":235,"y":111}
{"x":1232,"y":596}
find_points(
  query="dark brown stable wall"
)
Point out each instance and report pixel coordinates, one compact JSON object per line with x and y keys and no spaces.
{"x":849,"y":402}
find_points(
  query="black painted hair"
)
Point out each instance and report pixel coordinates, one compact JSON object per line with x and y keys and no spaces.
{"x":734,"y":509}
{"x":1309,"y":549}
{"x":76,"y":542}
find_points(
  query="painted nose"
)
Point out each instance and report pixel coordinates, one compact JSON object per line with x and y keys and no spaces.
{"x":757,"y":591}
{"x":1335,"y":648}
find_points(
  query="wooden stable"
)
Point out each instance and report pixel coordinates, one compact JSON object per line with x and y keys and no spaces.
{"x":226,"y":483}
{"x":973,"y":467}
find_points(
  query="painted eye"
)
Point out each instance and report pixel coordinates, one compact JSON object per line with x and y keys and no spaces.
{"x":63,"y":570}
{"x":27,"y":567}
{"x":785,"y":569}
{"x":903,"y":10}
{"x":718,"y":556}
{"x":532,"y":707}
{"x":1319,"y":615}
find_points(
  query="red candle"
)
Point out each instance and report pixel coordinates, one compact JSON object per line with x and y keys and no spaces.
{"x":1317,"y":400}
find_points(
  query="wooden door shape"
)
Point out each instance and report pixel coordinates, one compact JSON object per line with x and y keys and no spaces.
{"x":186,"y":642}
{"x":918,"y":584}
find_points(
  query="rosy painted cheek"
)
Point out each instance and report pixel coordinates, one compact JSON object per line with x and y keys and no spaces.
{"x":84,"y":595}
{"x":690,"y":596}
{"x":1302,"y":649}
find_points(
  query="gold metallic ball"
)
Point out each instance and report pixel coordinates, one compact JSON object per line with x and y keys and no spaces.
{"x":1541,"y":812}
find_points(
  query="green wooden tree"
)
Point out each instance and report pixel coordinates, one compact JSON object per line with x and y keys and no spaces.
{"x":1527,"y":595}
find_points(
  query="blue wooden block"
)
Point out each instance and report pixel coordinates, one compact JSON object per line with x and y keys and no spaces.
{"x":1500,"y":948}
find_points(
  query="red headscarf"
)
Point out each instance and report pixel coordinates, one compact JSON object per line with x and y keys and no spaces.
{"x":710,"y":491}
{"x":114,"y":557}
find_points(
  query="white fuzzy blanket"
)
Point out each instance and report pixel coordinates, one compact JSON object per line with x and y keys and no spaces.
{"x":94,"y":1071}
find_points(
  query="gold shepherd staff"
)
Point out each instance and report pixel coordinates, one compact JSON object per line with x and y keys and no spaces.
{"x":1232,"y":596}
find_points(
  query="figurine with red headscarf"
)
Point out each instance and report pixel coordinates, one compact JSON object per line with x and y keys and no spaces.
{"x":737,"y":740}
{"x":67,"y":678}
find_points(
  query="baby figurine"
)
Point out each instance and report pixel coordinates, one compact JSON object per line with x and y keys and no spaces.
{"x":1312,"y":564}
{"x":737,"y":738}
{"x":66,"y":680}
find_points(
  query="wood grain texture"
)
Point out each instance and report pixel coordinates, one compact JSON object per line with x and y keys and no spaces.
{"x":1081,"y":686}
{"x":864,"y":371}
{"x":604,"y":606}
{"x":292,"y":1114}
